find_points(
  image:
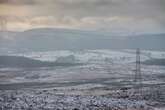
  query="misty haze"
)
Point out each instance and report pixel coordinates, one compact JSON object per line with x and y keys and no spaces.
{"x":82,"y":55}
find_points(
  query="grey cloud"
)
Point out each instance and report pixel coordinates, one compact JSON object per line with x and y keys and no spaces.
{"x":145,"y":13}
{"x":140,"y":9}
{"x":18,"y":2}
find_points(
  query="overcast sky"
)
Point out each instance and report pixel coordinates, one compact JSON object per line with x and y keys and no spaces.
{"x":115,"y":16}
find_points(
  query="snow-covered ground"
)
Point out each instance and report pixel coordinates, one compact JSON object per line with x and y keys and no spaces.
{"x":78,"y":86}
{"x":48,"y":100}
{"x":98,"y":67}
{"x":86,"y":55}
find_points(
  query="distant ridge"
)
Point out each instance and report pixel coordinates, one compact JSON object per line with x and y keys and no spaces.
{"x":24,"y":62}
{"x":160,"y":62}
{"x":56,"y":39}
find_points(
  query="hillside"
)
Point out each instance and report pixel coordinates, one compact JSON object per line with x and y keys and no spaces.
{"x":56,"y":39}
{"x":19,"y":61}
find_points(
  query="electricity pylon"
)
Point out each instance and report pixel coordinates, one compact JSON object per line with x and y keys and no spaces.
{"x":138,"y":75}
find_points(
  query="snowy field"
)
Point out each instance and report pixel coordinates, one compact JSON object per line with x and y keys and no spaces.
{"x":48,"y":100}
{"x":103,"y":68}
{"x":85,"y":86}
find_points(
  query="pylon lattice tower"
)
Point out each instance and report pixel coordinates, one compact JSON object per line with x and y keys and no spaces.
{"x":138,"y":75}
